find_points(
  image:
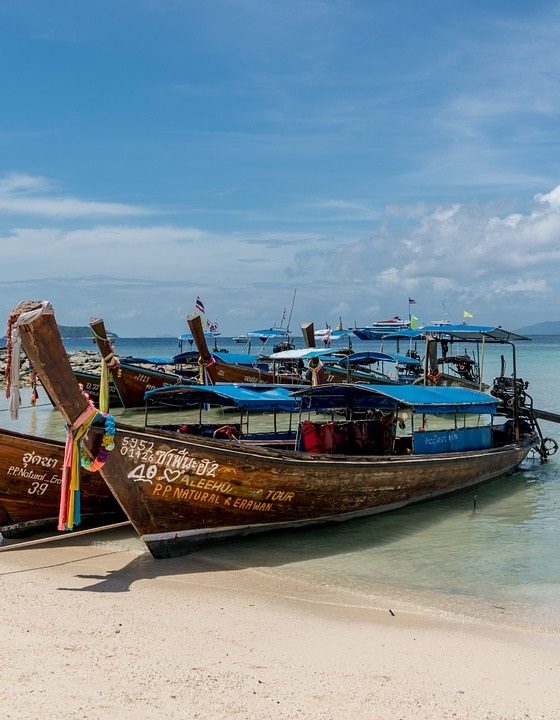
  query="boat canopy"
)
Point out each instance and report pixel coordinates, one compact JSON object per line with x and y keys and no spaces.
{"x":152,"y":359}
{"x":374,"y":356}
{"x":406,"y":333}
{"x":301,"y":354}
{"x":268,"y":333}
{"x":258,"y":397}
{"x":419,"y":398}
{"x":489,"y":333}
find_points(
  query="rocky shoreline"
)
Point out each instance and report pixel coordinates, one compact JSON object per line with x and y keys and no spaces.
{"x":81,"y":360}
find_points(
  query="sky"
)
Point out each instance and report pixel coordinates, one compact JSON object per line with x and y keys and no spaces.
{"x":315,"y":160}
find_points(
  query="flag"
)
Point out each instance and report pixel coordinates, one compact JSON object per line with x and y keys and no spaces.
{"x":467,"y":314}
{"x":411,"y":301}
{"x":212,"y":326}
{"x":413,"y":322}
{"x":199,"y":305}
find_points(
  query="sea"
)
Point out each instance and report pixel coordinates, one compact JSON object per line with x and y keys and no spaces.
{"x":492,"y":553}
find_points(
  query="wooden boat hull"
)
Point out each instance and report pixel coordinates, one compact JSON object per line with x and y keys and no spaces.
{"x":179,"y":492}
{"x":130,"y":381}
{"x":91,"y":383}
{"x":30,"y":479}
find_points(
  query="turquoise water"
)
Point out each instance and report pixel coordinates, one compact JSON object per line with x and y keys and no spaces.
{"x":494,"y":549}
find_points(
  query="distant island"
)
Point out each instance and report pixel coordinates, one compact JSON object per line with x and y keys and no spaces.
{"x":79,"y":332}
{"x":550,"y":327}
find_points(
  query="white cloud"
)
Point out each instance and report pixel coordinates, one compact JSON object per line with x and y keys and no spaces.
{"x":551,"y":198}
{"x":504,"y":267}
{"x":27,"y":195}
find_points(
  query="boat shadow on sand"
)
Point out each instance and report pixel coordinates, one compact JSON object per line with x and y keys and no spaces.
{"x":511,"y":500}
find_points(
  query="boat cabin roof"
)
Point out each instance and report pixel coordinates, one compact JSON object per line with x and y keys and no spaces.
{"x":263,"y":398}
{"x":152,"y":359}
{"x":475,"y":333}
{"x":269,"y":333}
{"x":419,"y":398}
{"x":225,"y":357}
{"x":258,"y":397}
{"x":302,"y":354}
{"x":373,"y":356}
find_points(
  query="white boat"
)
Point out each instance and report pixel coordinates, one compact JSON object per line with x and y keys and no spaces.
{"x":380,"y":328}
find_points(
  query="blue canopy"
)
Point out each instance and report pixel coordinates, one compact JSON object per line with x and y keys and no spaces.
{"x":462,"y":331}
{"x":301,"y":353}
{"x":374,"y":356}
{"x":420,"y":398}
{"x":259,"y":398}
{"x":404,"y":333}
{"x":152,"y":359}
{"x":225,"y":357}
{"x":269,"y":333}
{"x":490,"y":333}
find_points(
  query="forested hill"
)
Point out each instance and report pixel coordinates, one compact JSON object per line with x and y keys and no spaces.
{"x":550,"y":327}
{"x":77,"y":331}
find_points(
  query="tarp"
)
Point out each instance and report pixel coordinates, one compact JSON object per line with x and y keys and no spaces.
{"x":419,"y":398}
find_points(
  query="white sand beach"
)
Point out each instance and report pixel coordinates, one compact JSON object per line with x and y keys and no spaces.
{"x":94,"y":629}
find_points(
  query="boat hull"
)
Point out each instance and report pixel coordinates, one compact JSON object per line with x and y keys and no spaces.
{"x":180,"y":492}
{"x":30,"y":481}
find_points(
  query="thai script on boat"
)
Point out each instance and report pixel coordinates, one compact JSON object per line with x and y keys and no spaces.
{"x":182,"y":460}
{"x":178,"y":468}
{"x":33,"y":458}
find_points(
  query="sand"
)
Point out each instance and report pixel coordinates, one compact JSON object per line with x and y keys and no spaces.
{"x":95,"y":629}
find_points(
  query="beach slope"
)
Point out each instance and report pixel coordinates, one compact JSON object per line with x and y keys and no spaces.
{"x":99,"y":630}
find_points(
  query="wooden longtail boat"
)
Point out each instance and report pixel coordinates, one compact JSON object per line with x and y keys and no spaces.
{"x":91,"y":384}
{"x":130,"y":381}
{"x":30,"y":479}
{"x":215,"y":370}
{"x":180,"y":489}
{"x":286,"y":367}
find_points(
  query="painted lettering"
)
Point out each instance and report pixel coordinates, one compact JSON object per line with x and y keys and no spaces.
{"x":280,"y":496}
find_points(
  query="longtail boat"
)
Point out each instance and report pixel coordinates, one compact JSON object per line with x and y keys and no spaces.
{"x":131,"y":381}
{"x":30,"y":481}
{"x":91,"y":384}
{"x":294,"y":366}
{"x":368,"y":449}
{"x":214,"y":369}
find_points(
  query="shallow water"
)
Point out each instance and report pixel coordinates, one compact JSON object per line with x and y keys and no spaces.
{"x":494,"y":548}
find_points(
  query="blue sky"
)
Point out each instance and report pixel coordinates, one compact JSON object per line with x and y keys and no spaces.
{"x":360,"y":152}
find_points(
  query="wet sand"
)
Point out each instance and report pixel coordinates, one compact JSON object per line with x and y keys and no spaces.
{"x":96,"y":628}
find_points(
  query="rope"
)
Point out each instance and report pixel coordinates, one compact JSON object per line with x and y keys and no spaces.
{"x":54,"y":538}
{"x":69,"y":510}
{"x":108,"y":364}
{"x":13,"y":349}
